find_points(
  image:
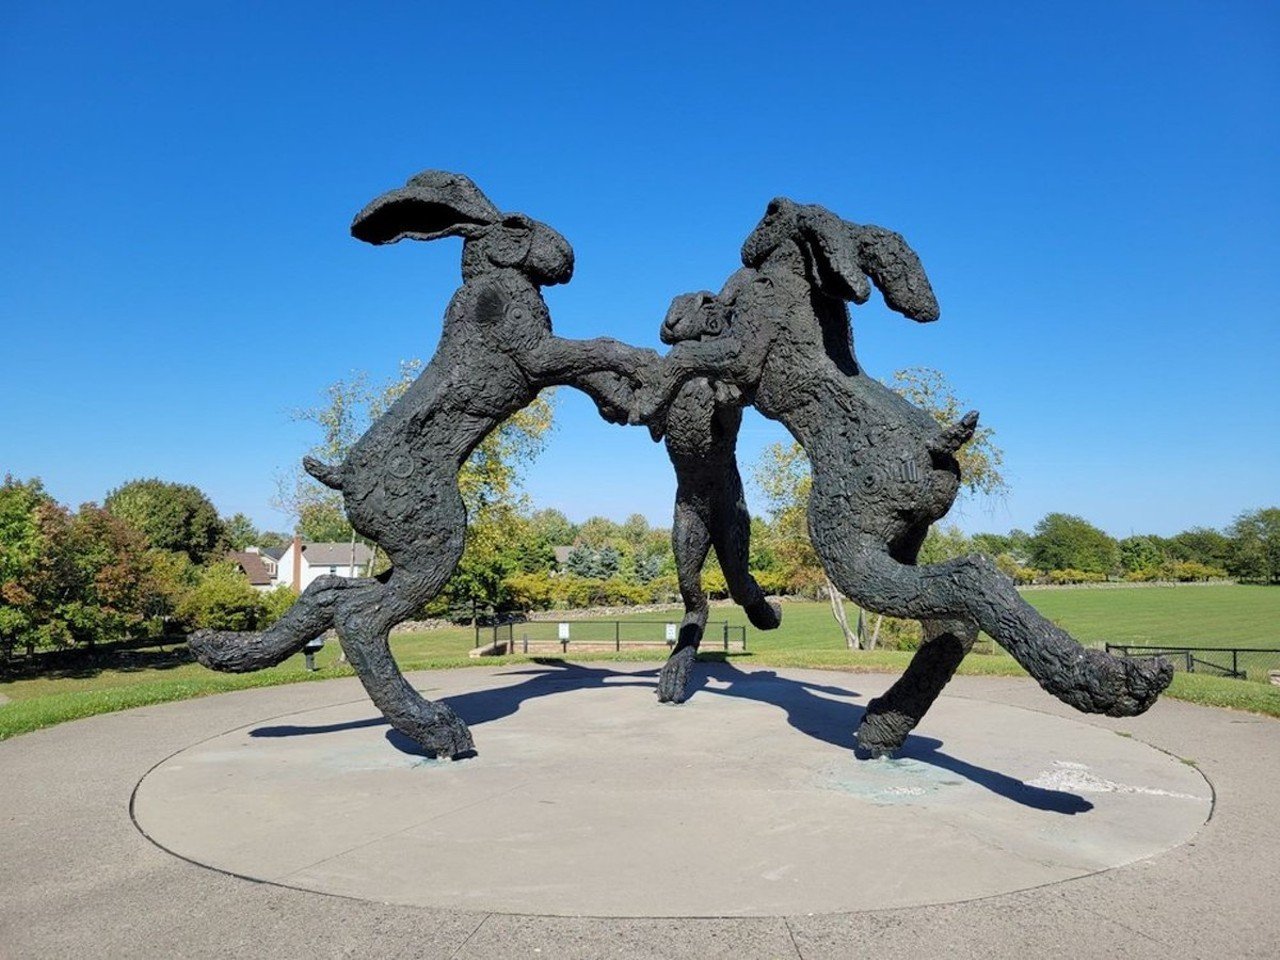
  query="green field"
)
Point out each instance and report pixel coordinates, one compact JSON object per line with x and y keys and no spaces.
{"x":1173,"y":616}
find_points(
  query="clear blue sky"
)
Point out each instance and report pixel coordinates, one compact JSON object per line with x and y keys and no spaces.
{"x":1093,"y":188}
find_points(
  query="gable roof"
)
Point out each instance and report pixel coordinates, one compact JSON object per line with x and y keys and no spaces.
{"x":275,"y":553}
{"x":253,"y":567}
{"x":335,"y":554}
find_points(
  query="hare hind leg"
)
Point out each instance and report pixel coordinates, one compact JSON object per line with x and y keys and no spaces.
{"x":894,"y":714}
{"x":364,"y":621}
{"x":732,"y":537}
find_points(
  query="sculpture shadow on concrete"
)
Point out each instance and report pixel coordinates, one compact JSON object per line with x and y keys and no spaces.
{"x":823,"y":712}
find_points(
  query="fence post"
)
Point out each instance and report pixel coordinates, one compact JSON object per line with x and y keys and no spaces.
{"x":617,"y":635}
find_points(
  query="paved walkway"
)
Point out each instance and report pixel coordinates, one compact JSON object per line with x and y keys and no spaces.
{"x":999,"y":769}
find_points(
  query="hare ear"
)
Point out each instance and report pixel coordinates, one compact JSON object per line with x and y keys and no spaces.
{"x":431,"y":205}
{"x":897,"y":273}
{"x":834,"y":249}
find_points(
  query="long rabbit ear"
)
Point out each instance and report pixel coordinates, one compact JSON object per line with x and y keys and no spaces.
{"x":834,"y":248}
{"x":897,"y":273}
{"x":431,"y":205}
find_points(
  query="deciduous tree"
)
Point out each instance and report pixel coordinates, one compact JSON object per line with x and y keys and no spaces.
{"x":172,"y":516}
{"x":1255,"y":546}
{"x":1063,"y":541}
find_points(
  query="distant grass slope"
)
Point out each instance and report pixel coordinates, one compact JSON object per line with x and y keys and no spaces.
{"x":1175,"y":616}
{"x":1182,"y":616}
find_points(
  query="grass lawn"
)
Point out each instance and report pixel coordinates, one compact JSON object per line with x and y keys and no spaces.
{"x":1174,"y":616}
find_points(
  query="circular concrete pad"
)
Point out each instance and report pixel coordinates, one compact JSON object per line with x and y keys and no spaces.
{"x":588,"y":798}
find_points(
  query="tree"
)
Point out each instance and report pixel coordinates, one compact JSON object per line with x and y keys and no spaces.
{"x":980,"y":458}
{"x":1141,"y":553}
{"x":584,"y":562}
{"x":273,"y":538}
{"x":25,"y":549}
{"x":1255,"y":546}
{"x":552,"y":528}
{"x":782,"y":473}
{"x":112,"y":577}
{"x":172,"y":516}
{"x":1200,"y":545}
{"x":240,"y":532}
{"x":992,"y":544}
{"x":69,"y":579}
{"x":20,"y":545}
{"x":598,"y":532}
{"x":1066,"y":542}
{"x":323,"y":520}
{"x":945,"y":543}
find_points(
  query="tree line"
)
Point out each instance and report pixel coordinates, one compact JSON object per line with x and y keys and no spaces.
{"x":152,"y":560}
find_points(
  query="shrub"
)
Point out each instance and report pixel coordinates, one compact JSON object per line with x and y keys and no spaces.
{"x":222,"y":600}
{"x":898,"y":634}
{"x":1189,"y":570}
{"x":275,"y":604}
{"x":1181,"y":571}
{"x":664,"y":589}
{"x":714,"y":584}
{"x":531,"y":591}
{"x":772,"y":582}
{"x":1015,"y":571}
{"x":1075,"y":576}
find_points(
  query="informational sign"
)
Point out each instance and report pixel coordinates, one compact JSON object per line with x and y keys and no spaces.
{"x":671,"y":633}
{"x":564,"y":631}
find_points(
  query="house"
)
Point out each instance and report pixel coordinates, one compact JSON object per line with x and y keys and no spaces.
{"x":270,"y":556}
{"x":261,"y":576}
{"x":301,"y":563}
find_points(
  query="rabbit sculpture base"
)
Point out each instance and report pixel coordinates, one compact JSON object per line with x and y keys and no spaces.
{"x":777,"y":336}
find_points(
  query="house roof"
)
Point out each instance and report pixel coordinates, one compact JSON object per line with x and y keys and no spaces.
{"x":252,"y":566}
{"x":335,"y":554}
{"x":275,"y":553}
{"x":562,"y":553}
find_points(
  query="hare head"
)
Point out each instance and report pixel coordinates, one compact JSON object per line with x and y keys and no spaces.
{"x":838,"y":257}
{"x":436,"y":203}
{"x":694,"y":316}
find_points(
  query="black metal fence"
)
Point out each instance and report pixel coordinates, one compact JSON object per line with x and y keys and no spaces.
{"x":1242,"y":663}
{"x":522,"y":636}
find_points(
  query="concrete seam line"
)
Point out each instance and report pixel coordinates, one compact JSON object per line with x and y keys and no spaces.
{"x":474,"y":931}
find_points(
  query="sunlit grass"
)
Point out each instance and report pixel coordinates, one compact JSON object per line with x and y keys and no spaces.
{"x":809,"y":638}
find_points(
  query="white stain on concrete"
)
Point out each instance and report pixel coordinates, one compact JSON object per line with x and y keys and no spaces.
{"x":1072,"y":777}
